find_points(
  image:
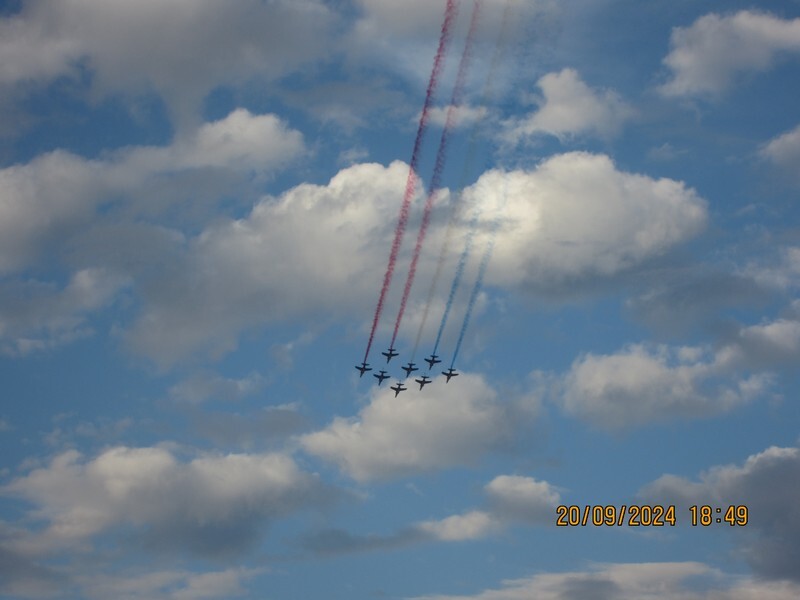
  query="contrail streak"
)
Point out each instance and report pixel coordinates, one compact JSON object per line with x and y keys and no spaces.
{"x":411,"y":182}
{"x":488,"y":91}
{"x":441,"y":155}
{"x":462,"y":262}
{"x":487,"y":255}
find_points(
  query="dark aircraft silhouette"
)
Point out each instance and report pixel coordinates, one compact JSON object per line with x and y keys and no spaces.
{"x":363,"y":368}
{"x":391,"y":352}
{"x":432,"y":360}
{"x":423,"y":381}
{"x":380,"y":376}
{"x":398,"y":387}
{"x":451,"y":372}
{"x":409,"y":368}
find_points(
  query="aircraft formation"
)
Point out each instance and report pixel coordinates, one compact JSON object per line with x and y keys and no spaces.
{"x":398,"y":387}
{"x":432,"y":189}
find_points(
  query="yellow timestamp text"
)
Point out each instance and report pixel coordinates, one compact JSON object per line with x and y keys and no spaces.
{"x":648,"y":515}
{"x":705,"y":515}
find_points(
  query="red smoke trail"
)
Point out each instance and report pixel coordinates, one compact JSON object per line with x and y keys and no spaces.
{"x":411,"y":183}
{"x":455,"y":101}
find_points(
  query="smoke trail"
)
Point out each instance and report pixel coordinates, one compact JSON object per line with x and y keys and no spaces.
{"x":462,"y":262}
{"x":487,"y":93}
{"x":411,"y":182}
{"x":487,"y":255}
{"x":441,"y":155}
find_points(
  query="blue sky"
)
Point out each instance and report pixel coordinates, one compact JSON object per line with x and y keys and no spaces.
{"x":197,"y":204}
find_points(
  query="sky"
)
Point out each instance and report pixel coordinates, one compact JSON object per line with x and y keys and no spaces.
{"x":198,"y":204}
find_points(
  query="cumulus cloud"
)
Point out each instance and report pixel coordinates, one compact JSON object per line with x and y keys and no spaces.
{"x":241,"y":141}
{"x":228,"y":279}
{"x":577,"y":218}
{"x":707,"y":57}
{"x":42,"y":200}
{"x":450,"y":424}
{"x":771,"y":344}
{"x":784,"y":150}
{"x":182,"y":51}
{"x":522,"y":499}
{"x":768,"y":483}
{"x":634,"y":581}
{"x":210,"y":505}
{"x":472,"y":525}
{"x":53,"y":203}
{"x":568,"y":107}
{"x":642,"y":384}
{"x":464,"y":115}
{"x":56,"y":195}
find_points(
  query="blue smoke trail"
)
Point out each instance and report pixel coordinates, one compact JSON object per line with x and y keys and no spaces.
{"x":462,"y":263}
{"x":487,"y":95}
{"x":487,"y":255}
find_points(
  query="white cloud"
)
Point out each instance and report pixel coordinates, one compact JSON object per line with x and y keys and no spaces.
{"x":43,"y":199}
{"x":56,"y":195}
{"x":457,"y":528}
{"x":770,"y":344}
{"x":449,"y":424}
{"x":706,"y":57}
{"x":768,"y":483}
{"x":240,"y":141}
{"x":513,"y":497}
{"x":335,"y":234}
{"x":569,"y":108}
{"x":635,"y":581}
{"x":213,"y":504}
{"x":576,"y":217}
{"x":182,"y":51}
{"x":464,"y":115}
{"x":784,"y":150}
{"x":642,"y":384}
{"x":50,"y":207}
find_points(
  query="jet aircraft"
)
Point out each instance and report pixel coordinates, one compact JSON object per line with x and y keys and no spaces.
{"x":380,"y":376}
{"x":424,"y":380}
{"x":432,"y":360}
{"x":389,"y":354}
{"x":409,"y":368}
{"x":398,"y":387}
{"x":451,"y":372}
{"x":363,"y":367}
